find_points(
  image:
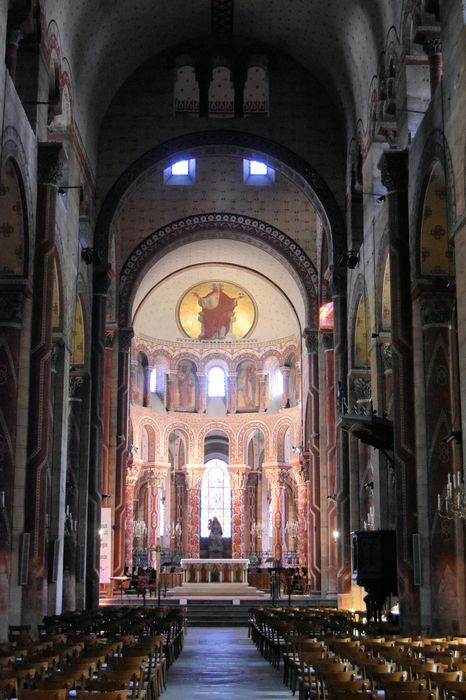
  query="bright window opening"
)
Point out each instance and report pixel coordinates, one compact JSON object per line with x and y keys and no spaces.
{"x":256,"y":172}
{"x":216,"y":497}
{"x":180,"y":168}
{"x":216,"y":382}
{"x":183,"y":172}
{"x":277,"y":383}
{"x":257,"y":168}
{"x":153,"y":381}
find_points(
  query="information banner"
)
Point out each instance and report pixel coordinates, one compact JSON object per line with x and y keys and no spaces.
{"x":105,"y":545}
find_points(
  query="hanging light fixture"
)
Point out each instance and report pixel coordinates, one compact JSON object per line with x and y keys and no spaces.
{"x":451,"y":503}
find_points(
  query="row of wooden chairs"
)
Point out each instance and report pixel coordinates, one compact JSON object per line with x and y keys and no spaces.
{"x":324,"y":662}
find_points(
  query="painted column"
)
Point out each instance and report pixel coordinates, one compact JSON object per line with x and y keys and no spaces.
{"x":131,"y":479}
{"x":124,"y":347}
{"x":276,"y":476}
{"x":77,"y":388}
{"x":330,"y":451}
{"x":107,"y":409}
{"x":394,"y":167}
{"x":201,"y":393}
{"x":286,"y":386}
{"x":203,"y":77}
{"x":39,"y":434}
{"x":260,"y":382}
{"x":11,"y":318}
{"x":231,"y":397}
{"x":312,"y":462}
{"x":299,"y":474}
{"x":239,"y":77}
{"x":251,"y":519}
{"x":179,"y":512}
{"x":192,"y":533}
{"x":238,"y":480}
{"x":447,"y":574}
{"x":88,"y":538}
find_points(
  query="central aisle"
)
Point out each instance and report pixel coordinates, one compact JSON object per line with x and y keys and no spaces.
{"x":221,"y":663}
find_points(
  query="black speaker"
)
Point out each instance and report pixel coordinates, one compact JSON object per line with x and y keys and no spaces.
{"x":374,"y":558}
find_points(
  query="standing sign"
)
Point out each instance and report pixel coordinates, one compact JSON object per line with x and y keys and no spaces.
{"x":105,"y":545}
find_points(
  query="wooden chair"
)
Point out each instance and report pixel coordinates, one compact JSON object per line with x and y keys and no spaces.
{"x":28,"y":694}
{"x":103,"y":695}
{"x":392,"y":694}
{"x":335,"y":687}
{"x":379,"y":680}
{"x":449,"y":689}
{"x":8,"y":688}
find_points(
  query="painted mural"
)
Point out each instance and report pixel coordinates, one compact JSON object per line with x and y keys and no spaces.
{"x":246,"y":386}
{"x":216,"y":310}
{"x":185,"y":386}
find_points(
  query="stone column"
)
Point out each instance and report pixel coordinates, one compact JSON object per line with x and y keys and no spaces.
{"x":13,"y":37}
{"x":179,"y":514}
{"x":192,"y":532}
{"x":239,"y":77}
{"x":446,"y":567}
{"x":231,"y":396}
{"x":89,"y":538}
{"x":433,"y":49}
{"x":238,"y":480}
{"x":252,"y":538}
{"x":107,"y":409}
{"x":11,"y":318}
{"x":276,"y":476}
{"x":312,"y":462}
{"x":286,"y":386}
{"x":299,"y":474}
{"x":39,"y":435}
{"x":201,"y":393}
{"x":124,"y":346}
{"x":77,"y":388}
{"x":131,"y":479}
{"x":262,"y":399}
{"x":394,"y":167}
{"x":330,"y":491}
{"x":155,"y":483}
{"x":203,"y":77}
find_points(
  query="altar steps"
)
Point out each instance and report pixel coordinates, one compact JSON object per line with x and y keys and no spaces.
{"x":215,"y":590}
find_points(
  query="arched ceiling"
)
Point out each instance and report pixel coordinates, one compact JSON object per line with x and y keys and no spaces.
{"x":104,"y":42}
{"x":279,"y":302}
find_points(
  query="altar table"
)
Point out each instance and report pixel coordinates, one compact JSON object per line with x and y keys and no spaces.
{"x":210,"y":570}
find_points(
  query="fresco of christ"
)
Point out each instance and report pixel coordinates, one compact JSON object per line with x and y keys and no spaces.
{"x":217,"y":315}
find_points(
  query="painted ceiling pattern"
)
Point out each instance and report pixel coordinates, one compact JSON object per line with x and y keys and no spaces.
{"x":106,"y":41}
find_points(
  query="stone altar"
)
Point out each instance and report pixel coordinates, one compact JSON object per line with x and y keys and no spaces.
{"x":215,"y":570}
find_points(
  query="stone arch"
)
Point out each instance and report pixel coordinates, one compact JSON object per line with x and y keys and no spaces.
{"x":208,"y":428}
{"x":189,"y":436}
{"x":152,"y":435}
{"x":278,"y":438}
{"x":80,"y":337}
{"x":247,"y":432}
{"x":279,"y":157}
{"x":219,"y":225}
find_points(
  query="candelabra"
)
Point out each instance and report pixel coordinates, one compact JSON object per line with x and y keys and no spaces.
{"x":451,"y":502}
{"x":139,"y":528}
{"x":174,"y":530}
{"x":257,"y":529}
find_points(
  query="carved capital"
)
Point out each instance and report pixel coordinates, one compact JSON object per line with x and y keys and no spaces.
{"x":432,"y":46}
{"x":436,"y":309}
{"x":361,"y":389}
{"x":386,"y":355}
{"x":194,"y":477}
{"x":109,"y":339}
{"x":76,"y":386}
{"x":50,"y":163}
{"x":311,"y":339}
{"x":298,"y":475}
{"x":238,"y":478}
{"x":125,"y":337}
{"x":277,"y":477}
{"x":394,"y":168}
{"x":327,"y":341}
{"x":11,"y":307}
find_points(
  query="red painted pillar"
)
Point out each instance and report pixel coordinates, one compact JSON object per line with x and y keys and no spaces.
{"x":124,"y":346}
{"x":39,"y":436}
{"x":394,"y":167}
{"x":192,"y":533}
{"x":238,"y":480}
{"x":276,"y":477}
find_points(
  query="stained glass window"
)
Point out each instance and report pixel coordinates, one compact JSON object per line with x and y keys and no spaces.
{"x":216,"y":497}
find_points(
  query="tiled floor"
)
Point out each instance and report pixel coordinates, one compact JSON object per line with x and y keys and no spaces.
{"x":221,"y":663}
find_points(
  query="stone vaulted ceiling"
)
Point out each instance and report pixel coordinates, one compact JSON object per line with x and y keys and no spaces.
{"x":105,"y":41}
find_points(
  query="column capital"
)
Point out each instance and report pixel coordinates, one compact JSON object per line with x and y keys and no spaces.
{"x":311,"y":338}
{"x":125,"y":336}
{"x":194,"y":476}
{"x":238,"y":477}
{"x":50,"y":163}
{"x":393,"y":165}
{"x":436,"y":309}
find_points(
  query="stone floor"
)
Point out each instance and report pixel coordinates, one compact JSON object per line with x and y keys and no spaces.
{"x":221,"y":663}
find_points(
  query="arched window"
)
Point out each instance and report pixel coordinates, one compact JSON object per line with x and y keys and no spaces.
{"x":216,"y":497}
{"x":216,"y":382}
{"x":153,"y":381}
{"x":276,"y":383}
